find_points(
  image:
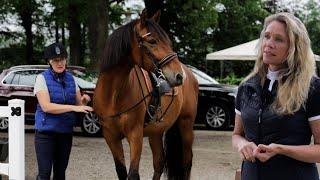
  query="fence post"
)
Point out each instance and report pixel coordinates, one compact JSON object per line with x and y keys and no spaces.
{"x":16,"y":140}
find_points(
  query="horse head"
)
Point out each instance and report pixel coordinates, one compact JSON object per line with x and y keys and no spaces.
{"x":152,"y":49}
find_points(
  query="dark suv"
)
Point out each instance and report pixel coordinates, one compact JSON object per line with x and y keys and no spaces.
{"x":18,"y":81}
{"x":216,"y":102}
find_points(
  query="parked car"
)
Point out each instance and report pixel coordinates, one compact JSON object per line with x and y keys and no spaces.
{"x":216,"y":102}
{"x":18,"y":81}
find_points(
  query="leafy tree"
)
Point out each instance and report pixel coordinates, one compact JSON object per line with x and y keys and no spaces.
{"x":189,"y":25}
{"x":239,"y":21}
{"x":28,"y":12}
{"x":312,"y":20}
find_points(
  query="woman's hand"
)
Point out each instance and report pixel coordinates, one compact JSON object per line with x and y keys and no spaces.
{"x":265,"y":152}
{"x":83,"y":109}
{"x":85,"y":99}
{"x":247,"y":150}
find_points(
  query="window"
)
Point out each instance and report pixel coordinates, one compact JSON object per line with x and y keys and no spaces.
{"x":24,"y":78}
{"x":202,"y":77}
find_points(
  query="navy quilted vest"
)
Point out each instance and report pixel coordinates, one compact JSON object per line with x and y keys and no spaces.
{"x":61,"y":91}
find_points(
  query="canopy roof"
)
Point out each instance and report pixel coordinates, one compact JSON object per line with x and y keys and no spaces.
{"x":244,"y":52}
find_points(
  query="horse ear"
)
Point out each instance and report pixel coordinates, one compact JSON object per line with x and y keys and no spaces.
{"x":143,"y":17}
{"x":156,"y":17}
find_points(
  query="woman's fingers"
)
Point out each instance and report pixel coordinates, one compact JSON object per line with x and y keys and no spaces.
{"x":246,"y":152}
{"x":84,"y":109}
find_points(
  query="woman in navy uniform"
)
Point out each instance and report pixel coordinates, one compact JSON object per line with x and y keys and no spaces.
{"x":278,"y":106}
{"x":58,"y":98}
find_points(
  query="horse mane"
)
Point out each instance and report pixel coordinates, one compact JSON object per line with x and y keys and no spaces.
{"x":118,"y":44}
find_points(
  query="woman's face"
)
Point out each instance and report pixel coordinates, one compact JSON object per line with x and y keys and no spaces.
{"x":58,"y":64}
{"x":275,"y":45}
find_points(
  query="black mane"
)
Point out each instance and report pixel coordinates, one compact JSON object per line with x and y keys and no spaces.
{"x":117,"y":47}
{"x":118,"y":44}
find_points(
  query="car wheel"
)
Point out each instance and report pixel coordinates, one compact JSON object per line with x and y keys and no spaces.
{"x":4,"y":124}
{"x":217,"y":116}
{"x":90,"y":125}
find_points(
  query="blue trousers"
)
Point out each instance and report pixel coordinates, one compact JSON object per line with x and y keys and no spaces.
{"x":53,"y":150}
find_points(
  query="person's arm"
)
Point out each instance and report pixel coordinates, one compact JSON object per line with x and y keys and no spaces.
{"x":44,"y":101}
{"x":82,"y":100}
{"x":245,"y":148}
{"x":305,"y":153}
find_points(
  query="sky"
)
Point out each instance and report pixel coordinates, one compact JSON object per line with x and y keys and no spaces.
{"x":132,"y":3}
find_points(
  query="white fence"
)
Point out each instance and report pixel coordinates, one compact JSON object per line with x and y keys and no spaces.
{"x":15,"y":169}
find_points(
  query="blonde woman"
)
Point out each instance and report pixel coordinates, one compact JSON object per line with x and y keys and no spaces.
{"x":278,"y":106}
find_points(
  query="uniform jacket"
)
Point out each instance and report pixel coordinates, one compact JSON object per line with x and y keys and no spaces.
{"x":263,"y":126}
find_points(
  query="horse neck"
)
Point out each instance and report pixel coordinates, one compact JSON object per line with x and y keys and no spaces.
{"x":118,"y":77}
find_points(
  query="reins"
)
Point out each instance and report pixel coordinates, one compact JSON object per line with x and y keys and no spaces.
{"x":140,"y":101}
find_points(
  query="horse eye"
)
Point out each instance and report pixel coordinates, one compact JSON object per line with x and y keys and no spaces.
{"x":152,"y":41}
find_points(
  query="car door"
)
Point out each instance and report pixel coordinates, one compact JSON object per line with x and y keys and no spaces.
{"x":19,"y":85}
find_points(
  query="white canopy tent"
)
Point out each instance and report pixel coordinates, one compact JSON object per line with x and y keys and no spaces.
{"x":244,"y":52}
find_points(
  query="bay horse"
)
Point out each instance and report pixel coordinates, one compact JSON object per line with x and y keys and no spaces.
{"x":123,"y":92}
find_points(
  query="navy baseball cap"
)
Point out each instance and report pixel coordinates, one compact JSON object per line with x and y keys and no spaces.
{"x":55,"y":50}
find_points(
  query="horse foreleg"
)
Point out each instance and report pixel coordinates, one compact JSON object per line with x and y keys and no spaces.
{"x":115,"y":145}
{"x":135,"y":139}
{"x":156,"y":145}
{"x":186,"y":130}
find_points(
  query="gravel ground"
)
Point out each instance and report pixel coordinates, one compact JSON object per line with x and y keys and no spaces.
{"x":91,"y":159}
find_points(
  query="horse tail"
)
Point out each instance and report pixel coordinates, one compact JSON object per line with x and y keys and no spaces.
{"x":173,"y":153}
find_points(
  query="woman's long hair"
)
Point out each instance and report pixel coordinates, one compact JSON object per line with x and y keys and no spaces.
{"x":295,"y":77}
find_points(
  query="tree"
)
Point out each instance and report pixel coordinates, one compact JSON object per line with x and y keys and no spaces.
{"x":102,"y":14}
{"x":97,"y":28}
{"x":239,"y":21}
{"x":311,"y":20}
{"x":27,"y":11}
{"x":189,"y":25}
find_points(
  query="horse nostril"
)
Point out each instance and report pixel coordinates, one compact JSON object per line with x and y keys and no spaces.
{"x":179,"y":79}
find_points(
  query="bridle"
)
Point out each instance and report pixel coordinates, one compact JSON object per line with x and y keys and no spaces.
{"x":158,"y":64}
{"x":157,"y":70}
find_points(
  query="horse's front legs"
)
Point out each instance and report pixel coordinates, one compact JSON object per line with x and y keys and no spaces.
{"x":156,"y":145}
{"x":115,"y":145}
{"x":135,"y":140}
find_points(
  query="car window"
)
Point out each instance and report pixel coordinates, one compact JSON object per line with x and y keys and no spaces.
{"x":84,"y":84}
{"x":203,"y":78}
{"x":9,"y":78}
{"x":24,"y":78}
{"x":80,"y":78}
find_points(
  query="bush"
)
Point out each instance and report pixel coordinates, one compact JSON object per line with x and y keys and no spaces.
{"x":231,"y":79}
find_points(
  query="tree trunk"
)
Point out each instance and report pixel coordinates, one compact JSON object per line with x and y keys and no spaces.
{"x":26,"y":17}
{"x":74,"y":35}
{"x":63,"y":36}
{"x":83,"y":45}
{"x":97,"y":30}
{"x":56,"y":28}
